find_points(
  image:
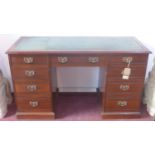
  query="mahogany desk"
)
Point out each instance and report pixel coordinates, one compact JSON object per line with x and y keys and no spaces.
{"x":31,"y":60}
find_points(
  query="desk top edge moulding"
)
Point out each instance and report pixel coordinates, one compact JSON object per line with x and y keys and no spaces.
{"x":77,"y":45}
{"x":122,"y":63}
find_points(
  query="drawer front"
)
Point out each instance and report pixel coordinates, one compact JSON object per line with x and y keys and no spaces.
{"x":34,"y":95}
{"x":136,"y":71}
{"x":131,"y":79}
{"x":78,"y":61}
{"x":120,"y":105}
{"x":34,"y":104}
{"x":32,"y":87}
{"x":29,"y":60}
{"x":124,"y":87}
{"x":124,"y":96}
{"x":30,"y":73}
{"x":135,"y":58}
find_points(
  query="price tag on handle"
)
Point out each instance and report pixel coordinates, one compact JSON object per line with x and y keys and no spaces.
{"x":126,"y":71}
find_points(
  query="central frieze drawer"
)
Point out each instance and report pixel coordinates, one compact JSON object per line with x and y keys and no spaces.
{"x":78,"y":61}
{"x":32,"y":87}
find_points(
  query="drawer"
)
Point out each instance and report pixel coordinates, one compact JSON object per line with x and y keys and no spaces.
{"x":118,"y":105}
{"x":124,"y":96}
{"x":122,"y":59}
{"x":30,"y":73}
{"x":136,"y":71}
{"x":34,"y":95}
{"x":120,"y":80}
{"x":32,"y":87}
{"x":78,"y":61}
{"x":34,"y":104}
{"x":29,"y":60}
{"x":124,"y":87}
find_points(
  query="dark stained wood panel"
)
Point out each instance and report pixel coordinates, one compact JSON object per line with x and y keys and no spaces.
{"x":34,"y":60}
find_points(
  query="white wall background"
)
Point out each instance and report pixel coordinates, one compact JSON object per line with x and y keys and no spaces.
{"x":76,"y":18}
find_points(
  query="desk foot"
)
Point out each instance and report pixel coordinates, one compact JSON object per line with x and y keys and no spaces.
{"x":119,"y":115}
{"x":35,"y":115}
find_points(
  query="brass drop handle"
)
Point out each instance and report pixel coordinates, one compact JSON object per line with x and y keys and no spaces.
{"x":31,"y":88}
{"x":93,"y":59}
{"x":127,"y":59}
{"x":33,"y":103}
{"x":62,"y":60}
{"x":124,"y":87}
{"x":28,"y":60}
{"x":29,"y":73}
{"x":122,"y":103}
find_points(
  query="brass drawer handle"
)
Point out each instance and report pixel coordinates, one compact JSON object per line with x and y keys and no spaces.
{"x":62,"y":60}
{"x":127,"y":59}
{"x":124,"y":87}
{"x":31,"y":88}
{"x":122,"y":103}
{"x":30,"y":73}
{"x":33,"y":103}
{"x":93,"y":59}
{"x":28,"y":60}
